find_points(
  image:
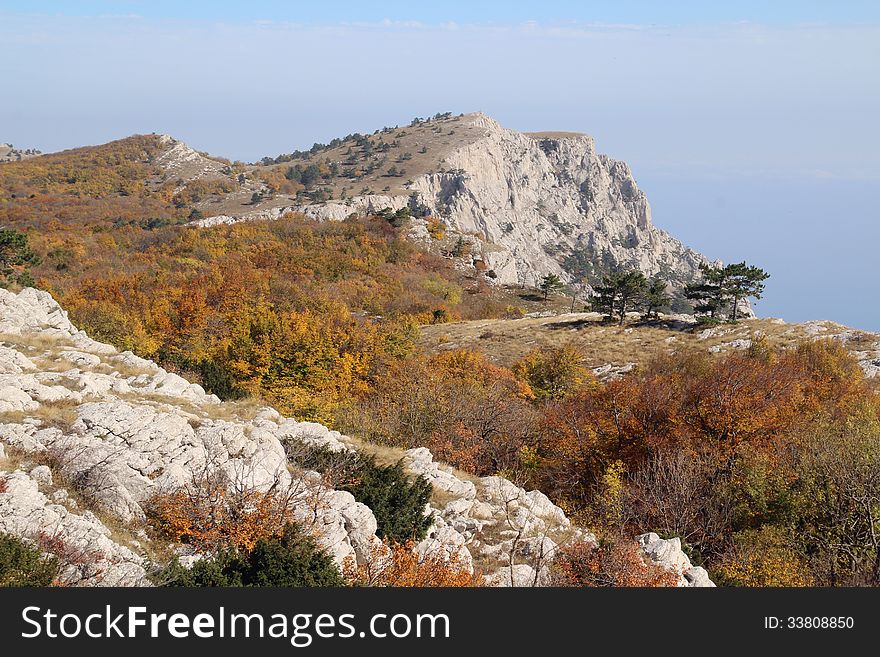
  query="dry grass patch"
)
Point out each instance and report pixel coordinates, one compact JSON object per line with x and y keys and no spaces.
{"x":12,"y":417}
{"x":49,"y":363}
{"x":384,"y":454}
{"x":18,"y":459}
{"x":124,"y":370}
{"x":41,"y":342}
{"x":7,"y":464}
{"x":507,"y":340}
{"x":163,"y":403}
{"x":239,"y":409}
{"x":389,"y":455}
{"x":440,"y":498}
{"x":60,"y":414}
{"x":129,"y":535}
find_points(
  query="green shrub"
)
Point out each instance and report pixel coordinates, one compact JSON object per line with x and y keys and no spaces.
{"x":291,"y":560}
{"x":206,"y":572}
{"x":24,"y":565}
{"x":217,"y":379}
{"x":397,"y":501}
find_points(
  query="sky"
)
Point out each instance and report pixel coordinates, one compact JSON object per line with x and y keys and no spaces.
{"x":750,"y":125}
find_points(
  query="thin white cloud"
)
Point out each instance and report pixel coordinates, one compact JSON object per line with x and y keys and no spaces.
{"x":738,"y":97}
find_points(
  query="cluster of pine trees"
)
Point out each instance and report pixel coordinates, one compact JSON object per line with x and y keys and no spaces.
{"x":723,"y":289}
{"x":720,"y":293}
{"x":629,"y":291}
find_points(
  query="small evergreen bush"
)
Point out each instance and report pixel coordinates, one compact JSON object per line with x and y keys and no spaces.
{"x":291,"y":560}
{"x":24,"y":565}
{"x":397,"y":501}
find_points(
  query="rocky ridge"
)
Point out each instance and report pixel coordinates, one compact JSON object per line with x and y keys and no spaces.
{"x":9,"y":153}
{"x":184,"y":162}
{"x":88,"y":434}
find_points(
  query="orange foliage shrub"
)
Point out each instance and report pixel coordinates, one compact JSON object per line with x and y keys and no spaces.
{"x":302,"y":313}
{"x":198,"y":190}
{"x":400,"y":566}
{"x":764,"y":558}
{"x":93,"y":171}
{"x":467,"y":410}
{"x":212,"y":517}
{"x":436,"y":228}
{"x":554,"y":372}
{"x":723,"y":406}
{"x":620,"y":563}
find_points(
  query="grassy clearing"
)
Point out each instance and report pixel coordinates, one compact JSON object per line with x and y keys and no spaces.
{"x":505,"y":341}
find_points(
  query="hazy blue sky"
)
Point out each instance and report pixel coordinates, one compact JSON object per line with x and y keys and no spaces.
{"x":751,"y":125}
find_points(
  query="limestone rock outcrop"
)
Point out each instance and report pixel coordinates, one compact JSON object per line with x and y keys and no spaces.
{"x":9,"y":153}
{"x":186,"y":163}
{"x":91,"y":556}
{"x":550,"y":204}
{"x":668,"y":554}
{"x":120,"y":438}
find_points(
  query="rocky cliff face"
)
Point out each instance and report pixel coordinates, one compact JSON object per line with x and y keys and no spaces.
{"x":526,"y":205}
{"x":551,"y":204}
{"x":88,"y":434}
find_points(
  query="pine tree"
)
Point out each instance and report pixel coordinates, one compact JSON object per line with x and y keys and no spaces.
{"x":620,"y":293}
{"x":655,"y":298}
{"x":707,"y":295}
{"x":742,"y":281}
{"x":550,"y":283}
{"x":290,"y":560}
{"x":22,"y":564}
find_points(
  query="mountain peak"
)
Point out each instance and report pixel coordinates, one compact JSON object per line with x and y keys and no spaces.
{"x":482,"y":120}
{"x":524,"y":204}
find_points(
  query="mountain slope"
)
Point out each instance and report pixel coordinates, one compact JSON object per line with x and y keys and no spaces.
{"x":511,"y":205}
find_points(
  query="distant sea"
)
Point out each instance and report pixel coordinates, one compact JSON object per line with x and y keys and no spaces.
{"x":818,"y":239}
